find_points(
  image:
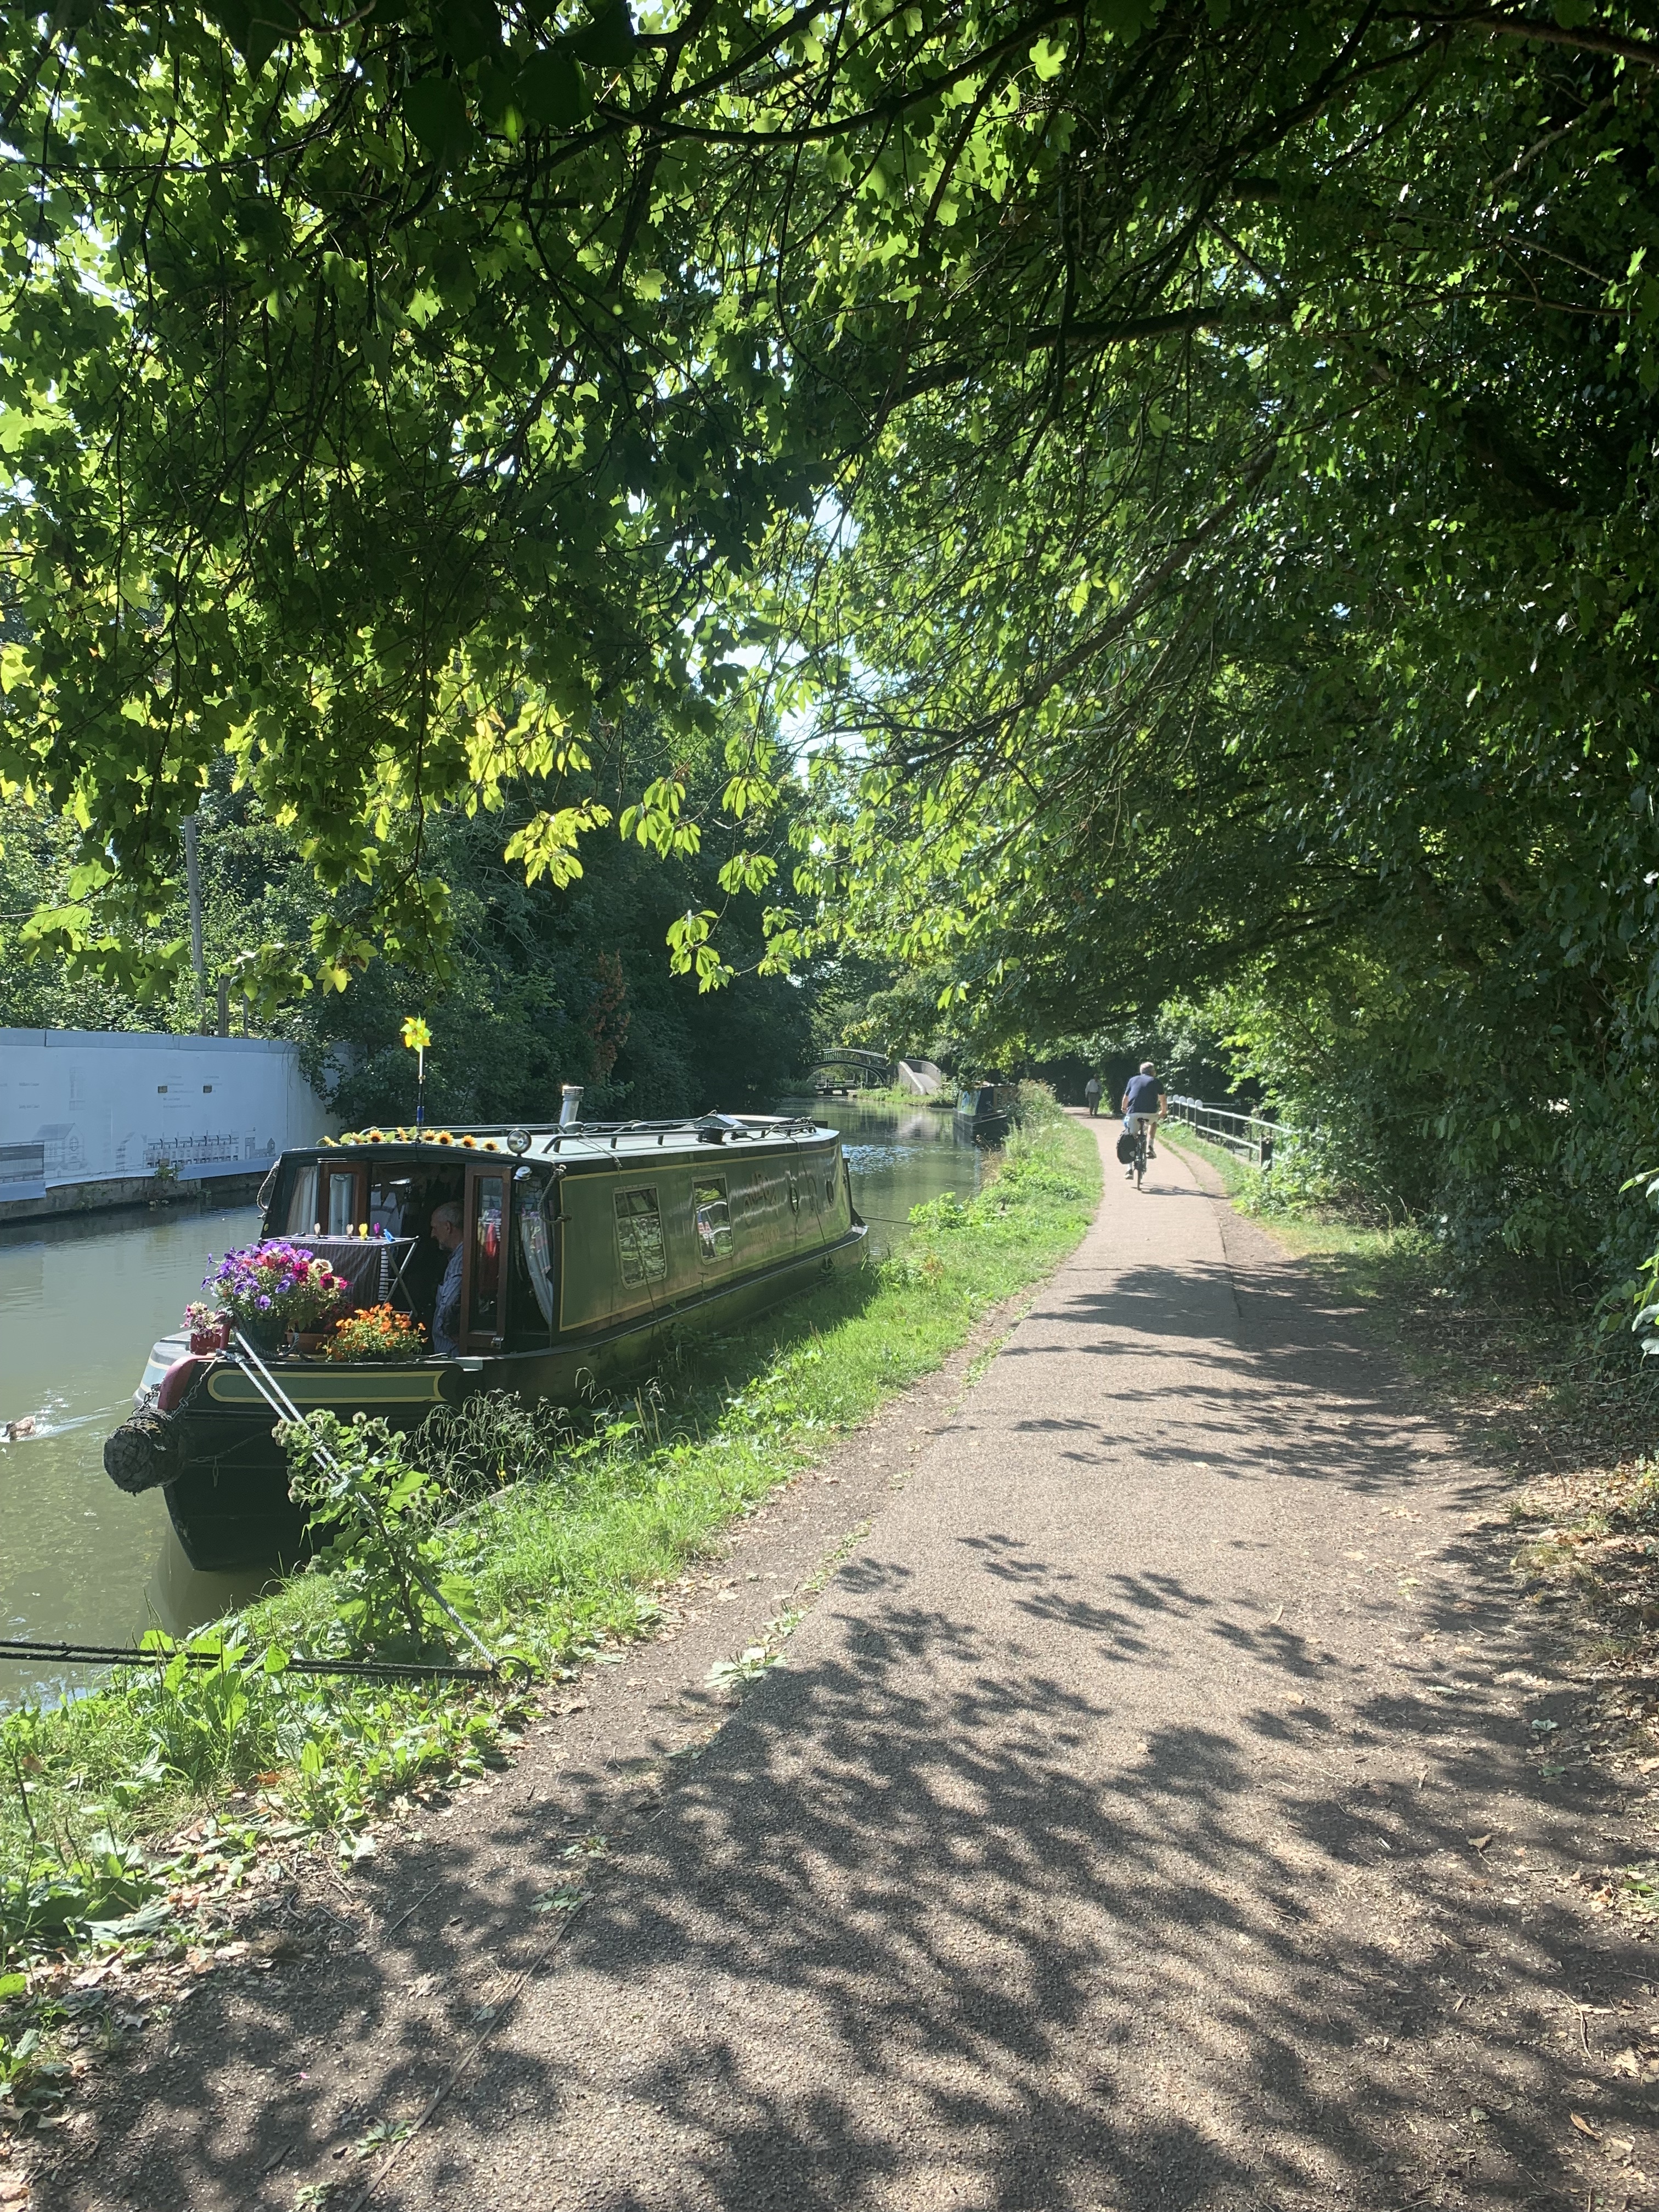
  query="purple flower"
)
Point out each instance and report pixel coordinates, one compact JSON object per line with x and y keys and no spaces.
{"x":263,"y":1304}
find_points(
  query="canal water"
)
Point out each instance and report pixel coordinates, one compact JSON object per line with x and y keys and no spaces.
{"x":81,"y":1302}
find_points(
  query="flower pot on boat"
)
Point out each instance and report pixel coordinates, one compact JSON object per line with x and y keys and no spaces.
{"x":262,"y":1335}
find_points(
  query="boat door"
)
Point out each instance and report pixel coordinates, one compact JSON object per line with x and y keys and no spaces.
{"x":484,"y":1270}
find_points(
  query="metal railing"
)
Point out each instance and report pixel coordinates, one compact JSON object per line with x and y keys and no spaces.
{"x":1249,"y":1135}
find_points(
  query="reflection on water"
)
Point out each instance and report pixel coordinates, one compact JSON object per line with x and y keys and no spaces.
{"x":898,"y":1156}
{"x":81,"y":1303}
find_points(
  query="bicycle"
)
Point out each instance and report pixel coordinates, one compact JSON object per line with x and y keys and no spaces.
{"x":1140,"y":1128}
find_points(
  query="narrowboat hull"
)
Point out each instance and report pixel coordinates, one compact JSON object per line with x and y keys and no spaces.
{"x":228,"y":1501}
{"x":985,"y":1114}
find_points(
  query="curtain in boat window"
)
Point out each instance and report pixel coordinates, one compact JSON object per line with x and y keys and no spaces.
{"x":639,"y":1236}
{"x":714,"y":1218}
{"x":303,"y":1205}
{"x":489,"y":1210}
{"x":536,"y":1242}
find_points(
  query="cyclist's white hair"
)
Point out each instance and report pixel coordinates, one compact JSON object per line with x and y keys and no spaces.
{"x":1146,"y":1067}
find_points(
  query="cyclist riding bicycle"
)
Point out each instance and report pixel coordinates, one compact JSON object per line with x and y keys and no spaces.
{"x":1143,"y":1102}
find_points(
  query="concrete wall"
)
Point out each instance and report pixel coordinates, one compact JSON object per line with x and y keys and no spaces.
{"x":99,"y":1112}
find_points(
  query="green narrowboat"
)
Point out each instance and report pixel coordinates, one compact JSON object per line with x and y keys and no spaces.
{"x":986,"y":1111}
{"x":582,"y":1245}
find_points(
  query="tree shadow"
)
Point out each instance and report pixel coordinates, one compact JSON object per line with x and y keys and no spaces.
{"x":942,"y":1916}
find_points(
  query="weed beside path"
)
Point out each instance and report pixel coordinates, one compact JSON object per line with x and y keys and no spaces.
{"x":135,"y":1817}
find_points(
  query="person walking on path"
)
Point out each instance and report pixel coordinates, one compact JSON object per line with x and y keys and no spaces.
{"x":1144,"y":1101}
{"x":1091,"y":1094}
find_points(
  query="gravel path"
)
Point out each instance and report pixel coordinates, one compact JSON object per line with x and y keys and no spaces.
{"x":1150,"y":1813}
{"x":1106,"y":1839}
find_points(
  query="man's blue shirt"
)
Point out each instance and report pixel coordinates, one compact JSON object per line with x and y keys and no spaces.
{"x":447,"y":1313}
{"x":1141,"y":1095}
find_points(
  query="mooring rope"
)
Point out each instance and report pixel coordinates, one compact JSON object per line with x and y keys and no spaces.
{"x":138,"y":1655}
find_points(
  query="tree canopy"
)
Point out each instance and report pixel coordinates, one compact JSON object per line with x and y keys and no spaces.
{"x":1191,"y":466}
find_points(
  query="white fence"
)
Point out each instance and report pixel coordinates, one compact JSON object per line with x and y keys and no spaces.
{"x":88,"y":1106}
{"x":1246,"y":1134}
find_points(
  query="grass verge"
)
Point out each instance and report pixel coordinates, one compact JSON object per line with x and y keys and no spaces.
{"x":564,"y":1560}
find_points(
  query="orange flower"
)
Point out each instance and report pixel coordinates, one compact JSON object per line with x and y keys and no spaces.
{"x":377,"y":1332}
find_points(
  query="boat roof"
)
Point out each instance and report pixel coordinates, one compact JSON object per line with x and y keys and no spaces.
{"x":575,"y":1140}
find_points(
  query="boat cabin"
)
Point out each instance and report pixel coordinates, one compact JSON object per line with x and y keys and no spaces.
{"x":572,"y":1231}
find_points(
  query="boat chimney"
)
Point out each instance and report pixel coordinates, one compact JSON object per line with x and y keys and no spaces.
{"x":571,"y":1104}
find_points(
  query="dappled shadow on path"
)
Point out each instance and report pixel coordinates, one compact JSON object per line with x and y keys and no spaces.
{"x":920,"y":1929}
{"x":1026,"y":1888}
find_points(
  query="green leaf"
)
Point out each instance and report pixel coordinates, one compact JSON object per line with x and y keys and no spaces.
{"x":434,"y":107}
{"x":552,"y":88}
{"x":467,"y":30}
{"x":608,"y":41}
{"x":256,"y":28}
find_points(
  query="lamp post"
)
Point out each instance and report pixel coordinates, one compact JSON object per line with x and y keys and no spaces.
{"x":193,"y":886}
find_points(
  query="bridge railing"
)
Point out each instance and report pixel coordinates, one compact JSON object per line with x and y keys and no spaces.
{"x":1248,"y":1135}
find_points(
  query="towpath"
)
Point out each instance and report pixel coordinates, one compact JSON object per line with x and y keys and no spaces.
{"x":1148,"y":1815}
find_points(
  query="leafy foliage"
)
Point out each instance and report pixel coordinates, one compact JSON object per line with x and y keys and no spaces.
{"x":371,"y":1512}
{"x":1277,"y":642}
{"x":392,"y":394}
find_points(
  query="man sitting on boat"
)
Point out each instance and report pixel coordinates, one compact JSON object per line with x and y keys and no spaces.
{"x":447,"y":1313}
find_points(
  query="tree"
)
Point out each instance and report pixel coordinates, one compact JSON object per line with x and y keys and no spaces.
{"x":1298,"y":641}
{"x":391,"y":391}
{"x":1202,"y":457}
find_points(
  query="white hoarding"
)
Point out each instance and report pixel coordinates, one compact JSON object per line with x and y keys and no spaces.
{"x":79,"y":1106}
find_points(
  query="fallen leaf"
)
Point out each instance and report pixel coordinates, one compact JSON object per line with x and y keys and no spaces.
{"x":1628,"y":2063}
{"x":1585,"y":2127}
{"x":1479,"y":1843}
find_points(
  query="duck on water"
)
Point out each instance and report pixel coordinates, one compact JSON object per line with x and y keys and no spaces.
{"x":539,"y":1260}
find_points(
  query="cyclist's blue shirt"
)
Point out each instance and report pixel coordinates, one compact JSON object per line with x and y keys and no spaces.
{"x":1141,"y":1096}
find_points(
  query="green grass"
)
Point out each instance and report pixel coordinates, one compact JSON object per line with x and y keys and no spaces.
{"x":560,"y":1562}
{"x":1377,"y":1262}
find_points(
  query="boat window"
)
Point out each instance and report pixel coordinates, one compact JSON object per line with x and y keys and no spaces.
{"x":536,"y":1242}
{"x":302,"y":1204}
{"x":639,"y":1236}
{"x":714,"y":1220}
{"x":340,"y":1215}
{"x":388,"y":1207}
{"x":489,"y":1211}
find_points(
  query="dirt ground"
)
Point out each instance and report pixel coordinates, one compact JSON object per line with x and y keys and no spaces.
{"x":1162,"y":1802}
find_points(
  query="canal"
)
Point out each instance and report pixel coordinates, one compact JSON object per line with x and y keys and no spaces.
{"x":82,"y":1300}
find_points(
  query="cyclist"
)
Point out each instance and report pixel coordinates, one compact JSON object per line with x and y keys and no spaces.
{"x":1143,"y":1102}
